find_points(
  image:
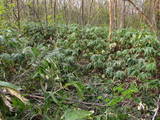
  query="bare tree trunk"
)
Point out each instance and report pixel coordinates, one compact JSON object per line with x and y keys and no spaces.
{"x":158,"y":18}
{"x":18,"y":14}
{"x":38,"y":13}
{"x":55,"y":10}
{"x":51,"y":12}
{"x":34,"y":14}
{"x":153,"y":13}
{"x":90,"y":11}
{"x":51,"y":4}
{"x":12,"y":15}
{"x":115,"y":13}
{"x":82,"y":12}
{"x":46,"y":11}
{"x":65,"y":12}
{"x":123,"y":12}
{"x":111,"y":18}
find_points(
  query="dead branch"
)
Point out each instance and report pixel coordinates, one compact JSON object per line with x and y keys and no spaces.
{"x":157,"y":109}
{"x":144,"y":16}
{"x":70,"y":101}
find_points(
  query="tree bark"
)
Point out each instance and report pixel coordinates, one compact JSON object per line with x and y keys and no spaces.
{"x":111,"y":18}
{"x":82,"y":12}
{"x":158,"y":18}
{"x":115,"y":13}
{"x":122,"y":17}
{"x":55,"y":10}
{"x":46,"y":11}
{"x":90,"y":12}
{"x":34,"y":14}
{"x":18,"y":14}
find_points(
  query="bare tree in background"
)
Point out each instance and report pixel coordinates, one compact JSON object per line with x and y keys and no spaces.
{"x":46,"y":11}
{"x":111,"y":18}
{"x":65,"y":12}
{"x":157,"y":9}
{"x":82,"y":12}
{"x":33,"y":11}
{"x":55,"y":10}
{"x":123,"y":12}
{"x":115,"y":10}
{"x":90,"y":11}
{"x":115,"y":13}
{"x":143,"y":15}
{"x":18,"y":14}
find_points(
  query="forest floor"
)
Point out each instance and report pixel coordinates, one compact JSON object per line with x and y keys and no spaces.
{"x":76,"y":73}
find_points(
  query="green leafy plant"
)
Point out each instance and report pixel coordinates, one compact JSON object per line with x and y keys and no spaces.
{"x":76,"y":114}
{"x":5,"y":100}
{"x":66,"y":67}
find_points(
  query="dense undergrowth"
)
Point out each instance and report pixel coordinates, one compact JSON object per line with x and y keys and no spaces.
{"x":76,"y":73}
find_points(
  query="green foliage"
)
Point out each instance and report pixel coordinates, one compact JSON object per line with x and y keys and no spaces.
{"x":8,"y":85}
{"x":5,"y":12}
{"x":76,"y":114}
{"x":6,"y":102}
{"x":77,"y":67}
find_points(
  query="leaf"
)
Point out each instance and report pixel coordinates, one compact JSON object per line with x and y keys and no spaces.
{"x":78,"y":86}
{"x":53,"y":97}
{"x":76,"y":114}
{"x":118,"y":89}
{"x":130,"y":91}
{"x":9,"y":85}
{"x":119,"y":75}
{"x":115,"y":100}
{"x":151,"y":67}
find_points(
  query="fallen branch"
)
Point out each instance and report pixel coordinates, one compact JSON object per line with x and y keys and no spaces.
{"x":71,"y":101}
{"x":86,"y":103}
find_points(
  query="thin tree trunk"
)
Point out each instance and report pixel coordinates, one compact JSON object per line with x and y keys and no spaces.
{"x":51,"y":4}
{"x":38,"y":13}
{"x":51,"y":8}
{"x":153,"y":12}
{"x":34,"y":14}
{"x":115,"y":13}
{"x":65,"y":12}
{"x":55,"y":10}
{"x":90,"y":11}
{"x":82,"y":12}
{"x":12,"y":15}
{"x":158,"y":18}
{"x":46,"y":11}
{"x":18,"y":14}
{"x":111,"y":18}
{"x":123,"y":12}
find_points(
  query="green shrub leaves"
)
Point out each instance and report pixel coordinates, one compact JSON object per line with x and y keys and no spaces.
{"x":81,"y":64}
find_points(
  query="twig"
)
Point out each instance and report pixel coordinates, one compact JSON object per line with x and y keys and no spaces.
{"x":35,"y":97}
{"x":71,"y":101}
{"x":86,"y":103}
{"x":144,"y":16}
{"x":22,"y":75}
{"x":157,"y":109}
